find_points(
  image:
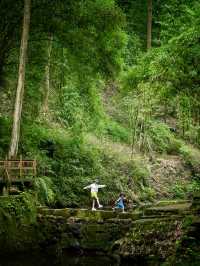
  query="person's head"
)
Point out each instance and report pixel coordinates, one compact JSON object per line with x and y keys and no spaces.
{"x":122,"y":195}
{"x":96,"y":181}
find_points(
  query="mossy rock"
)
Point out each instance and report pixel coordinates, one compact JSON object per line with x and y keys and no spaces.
{"x":99,"y":236}
{"x":79,"y":213}
{"x":153,"y":238}
{"x":196,"y":200}
{"x":171,"y":202}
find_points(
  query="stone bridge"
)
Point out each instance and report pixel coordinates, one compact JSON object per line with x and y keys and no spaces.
{"x":148,"y":235}
{"x":151,"y":233}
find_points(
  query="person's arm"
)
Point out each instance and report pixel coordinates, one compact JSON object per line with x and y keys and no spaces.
{"x":87,"y":187}
{"x":100,"y":186}
{"x":117,"y":200}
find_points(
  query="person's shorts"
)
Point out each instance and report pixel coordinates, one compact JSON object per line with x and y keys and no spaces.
{"x":94,"y":195}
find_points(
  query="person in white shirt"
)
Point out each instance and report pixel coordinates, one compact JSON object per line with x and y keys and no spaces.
{"x":94,"y":187}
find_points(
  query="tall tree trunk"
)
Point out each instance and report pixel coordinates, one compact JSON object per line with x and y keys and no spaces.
{"x":47,"y":76}
{"x":149,"y":24}
{"x":21,"y":78}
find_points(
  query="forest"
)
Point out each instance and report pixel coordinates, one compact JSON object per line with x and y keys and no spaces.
{"x":105,"y":90}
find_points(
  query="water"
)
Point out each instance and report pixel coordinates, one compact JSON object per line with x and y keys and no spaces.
{"x":67,"y":259}
{"x":35,"y":260}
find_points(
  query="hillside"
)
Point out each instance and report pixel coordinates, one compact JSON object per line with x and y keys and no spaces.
{"x":96,"y":103}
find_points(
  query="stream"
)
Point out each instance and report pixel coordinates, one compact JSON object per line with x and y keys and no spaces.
{"x":66,"y":259}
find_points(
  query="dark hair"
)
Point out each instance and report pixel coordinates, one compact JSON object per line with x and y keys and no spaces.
{"x":121,"y":194}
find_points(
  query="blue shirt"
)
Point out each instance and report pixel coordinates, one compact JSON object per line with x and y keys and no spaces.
{"x":120,"y":204}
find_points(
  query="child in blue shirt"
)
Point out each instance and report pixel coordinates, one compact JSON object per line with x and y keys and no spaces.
{"x":119,"y":203}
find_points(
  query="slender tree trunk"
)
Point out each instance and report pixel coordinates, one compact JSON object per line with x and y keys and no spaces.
{"x":149,"y":24}
{"x":47,"y":75}
{"x":134,"y":130}
{"x":21,"y":78}
{"x":62,"y":70}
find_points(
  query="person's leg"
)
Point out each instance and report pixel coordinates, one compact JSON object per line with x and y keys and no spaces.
{"x":99,"y":205}
{"x":123,"y":208}
{"x":93,"y":204}
{"x":93,"y":196}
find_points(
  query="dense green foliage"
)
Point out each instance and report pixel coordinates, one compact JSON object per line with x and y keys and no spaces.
{"x":113,"y":108}
{"x":14,"y":212}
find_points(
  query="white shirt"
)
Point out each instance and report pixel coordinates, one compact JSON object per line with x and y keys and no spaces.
{"x":94,"y":187}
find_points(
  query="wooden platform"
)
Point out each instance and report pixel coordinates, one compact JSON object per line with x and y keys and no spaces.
{"x":16,"y":173}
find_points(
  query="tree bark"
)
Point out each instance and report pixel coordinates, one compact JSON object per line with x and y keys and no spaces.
{"x":149,"y":24}
{"x":47,"y":76}
{"x":21,"y":78}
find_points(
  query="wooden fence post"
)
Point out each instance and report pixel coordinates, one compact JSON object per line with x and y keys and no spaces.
{"x":20,"y":167}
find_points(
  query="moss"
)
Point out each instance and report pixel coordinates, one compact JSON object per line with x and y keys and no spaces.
{"x":89,"y":215}
{"x":16,"y":212}
{"x":188,"y":247}
{"x":152,"y":233}
{"x":97,"y":215}
{"x":99,"y":236}
{"x":171,"y":202}
{"x":196,"y":201}
{"x":150,"y":238}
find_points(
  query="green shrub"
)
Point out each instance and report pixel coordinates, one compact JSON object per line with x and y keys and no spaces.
{"x":116,"y":132}
{"x":17,"y":209}
{"x":147,"y":194}
{"x":185,"y":190}
{"x":179,"y":191}
{"x":70,"y":192}
{"x":72,"y":111}
{"x":160,"y":139}
{"x":174,"y":146}
{"x":160,"y":136}
{"x":192,"y":157}
{"x":140,"y":171}
{"x":193,"y":187}
{"x":193,"y":135}
{"x":44,"y":188}
{"x":129,"y":177}
{"x":5,"y":135}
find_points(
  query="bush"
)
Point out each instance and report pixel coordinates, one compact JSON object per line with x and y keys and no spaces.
{"x":161,"y":136}
{"x":193,"y":135}
{"x":185,"y":190}
{"x":5,"y":135}
{"x":44,"y":188}
{"x":116,"y":132}
{"x":174,"y":146}
{"x":179,"y":191}
{"x":192,"y":158}
{"x":147,"y":194}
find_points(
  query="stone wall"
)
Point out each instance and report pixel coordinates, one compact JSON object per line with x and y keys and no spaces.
{"x":157,"y":233}
{"x":148,"y":233}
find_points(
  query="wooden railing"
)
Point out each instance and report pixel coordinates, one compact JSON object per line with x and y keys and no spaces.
{"x":17,"y":169}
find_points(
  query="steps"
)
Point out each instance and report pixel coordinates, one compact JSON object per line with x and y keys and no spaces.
{"x":178,"y":209}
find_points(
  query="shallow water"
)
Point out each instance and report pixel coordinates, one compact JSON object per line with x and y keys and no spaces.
{"x":67,"y":259}
{"x":33,"y":260}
